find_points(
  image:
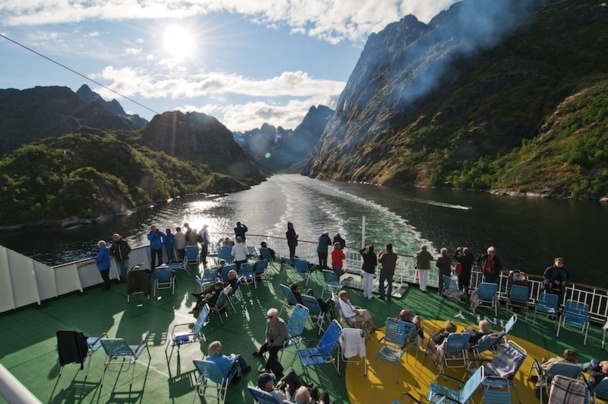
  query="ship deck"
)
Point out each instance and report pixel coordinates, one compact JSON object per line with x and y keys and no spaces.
{"x":29,"y":347}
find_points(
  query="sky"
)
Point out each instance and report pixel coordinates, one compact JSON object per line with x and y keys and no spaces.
{"x":245,"y":62}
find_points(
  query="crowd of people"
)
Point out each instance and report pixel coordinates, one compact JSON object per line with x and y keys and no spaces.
{"x":330,"y":256}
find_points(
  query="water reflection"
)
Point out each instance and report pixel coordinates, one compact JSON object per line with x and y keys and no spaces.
{"x":528,"y":233}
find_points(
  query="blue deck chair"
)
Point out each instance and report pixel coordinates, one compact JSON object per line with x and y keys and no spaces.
{"x":220,"y":307}
{"x":225,"y":253}
{"x":246,"y":274}
{"x":452,"y":292}
{"x":207,"y":277}
{"x":393,"y":344}
{"x":323,"y":352}
{"x":331,"y":283}
{"x":164,"y":278}
{"x":568,"y":390}
{"x":577,"y":315}
{"x":503,"y":367}
{"x":411,"y":337}
{"x":404,"y":395}
{"x":264,"y":252}
{"x":259,"y":270}
{"x":301,"y":266}
{"x":289,"y":299}
{"x":487,"y":343}
{"x":547,"y":304}
{"x":225,"y":271}
{"x":604,"y":332}
{"x":211,"y":382}
{"x":545,"y":377}
{"x":600,"y":390}
{"x":519,"y":298}
{"x":76,"y":347}
{"x":454,"y":352}
{"x":443,"y":394}
{"x":508,"y":327}
{"x":251,"y":251}
{"x":235,"y":294}
{"x":191,"y":255}
{"x":487,"y":296}
{"x":181,"y":334}
{"x":262,"y":397}
{"x":498,"y":395}
{"x":352,"y":347}
{"x":317,"y":316}
{"x":295,"y":328}
{"x":119,"y":353}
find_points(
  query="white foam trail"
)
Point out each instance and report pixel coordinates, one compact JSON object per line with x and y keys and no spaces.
{"x":435,"y":203}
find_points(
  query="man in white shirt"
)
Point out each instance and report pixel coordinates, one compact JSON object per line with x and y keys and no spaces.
{"x":353,"y":315}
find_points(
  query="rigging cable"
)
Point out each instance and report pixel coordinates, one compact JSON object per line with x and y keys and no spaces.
{"x":79,"y":74}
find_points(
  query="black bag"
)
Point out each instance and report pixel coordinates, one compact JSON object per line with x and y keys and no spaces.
{"x":275,"y":367}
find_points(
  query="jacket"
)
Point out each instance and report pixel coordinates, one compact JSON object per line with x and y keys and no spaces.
{"x":369,"y":261}
{"x":103,"y":259}
{"x":388,"y":259}
{"x":120,"y":249}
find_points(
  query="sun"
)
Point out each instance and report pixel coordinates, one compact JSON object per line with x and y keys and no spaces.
{"x":178,"y":41}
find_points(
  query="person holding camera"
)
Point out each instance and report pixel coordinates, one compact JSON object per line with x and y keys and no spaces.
{"x":156,"y":238}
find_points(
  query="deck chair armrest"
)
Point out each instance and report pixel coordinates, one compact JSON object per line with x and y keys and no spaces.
{"x":103,"y":335}
{"x":179,"y":325}
{"x":143,"y":343}
{"x":443,"y":375}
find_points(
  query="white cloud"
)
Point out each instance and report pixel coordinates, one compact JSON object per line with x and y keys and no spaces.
{"x":333,"y":21}
{"x":133,"y":51}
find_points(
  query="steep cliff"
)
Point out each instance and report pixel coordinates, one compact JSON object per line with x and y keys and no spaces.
{"x":443,"y":103}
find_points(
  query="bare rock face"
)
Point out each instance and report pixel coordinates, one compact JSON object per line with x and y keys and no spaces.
{"x":432,"y":103}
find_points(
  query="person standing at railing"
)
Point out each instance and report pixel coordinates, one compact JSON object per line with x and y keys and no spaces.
{"x":180,"y":243}
{"x":292,"y":239}
{"x":388,"y":262}
{"x":444,"y":264}
{"x":102,"y":259}
{"x":239,"y":253}
{"x":323,"y":250}
{"x":204,"y":239}
{"x":556,"y":277}
{"x":120,"y":250}
{"x":240,"y":230}
{"x":169,"y":243}
{"x":370,"y":262}
{"x":156,"y":246}
{"x":466,"y":259}
{"x":338,"y":239}
{"x":337,"y":260}
{"x":423,"y":265}
{"x":490,"y":266}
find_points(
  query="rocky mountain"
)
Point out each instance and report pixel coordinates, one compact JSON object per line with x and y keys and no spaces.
{"x":43,"y":112}
{"x":488,"y":95}
{"x":113,"y":106}
{"x":278,"y":149}
{"x":201,"y":138}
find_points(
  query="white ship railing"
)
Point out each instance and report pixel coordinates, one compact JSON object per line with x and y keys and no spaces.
{"x":24,"y":281}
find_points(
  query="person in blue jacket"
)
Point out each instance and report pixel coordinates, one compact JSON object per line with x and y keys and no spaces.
{"x":102,"y":259}
{"x":169,"y":242}
{"x":156,"y":238}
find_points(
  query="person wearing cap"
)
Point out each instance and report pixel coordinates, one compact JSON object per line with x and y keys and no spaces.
{"x":240,"y":230}
{"x":239,"y":252}
{"x":556,"y":277}
{"x":276,"y":334}
{"x":102,"y":259}
{"x":227,"y":364}
{"x":323,"y":249}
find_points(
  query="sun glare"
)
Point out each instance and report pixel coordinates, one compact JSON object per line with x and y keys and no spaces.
{"x":179,"y":42}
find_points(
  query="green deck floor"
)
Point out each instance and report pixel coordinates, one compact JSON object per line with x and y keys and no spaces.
{"x":29,"y":351}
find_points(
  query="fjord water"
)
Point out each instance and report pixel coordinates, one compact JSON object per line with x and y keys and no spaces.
{"x":527,"y":232}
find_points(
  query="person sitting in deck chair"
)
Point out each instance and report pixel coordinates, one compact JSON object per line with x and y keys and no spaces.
{"x":405,"y":315}
{"x":286,"y":388}
{"x":227,"y":363}
{"x":276,"y":334}
{"x":355,"y":316}
{"x":438,"y":339}
{"x":273,"y":255}
{"x":207,"y":296}
{"x":485,"y":328}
